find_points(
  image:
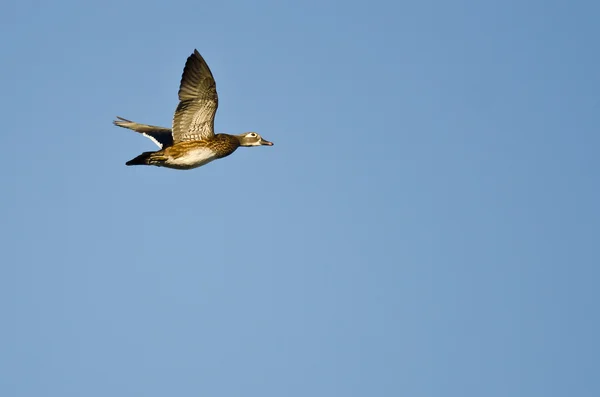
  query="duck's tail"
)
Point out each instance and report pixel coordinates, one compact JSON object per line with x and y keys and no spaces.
{"x":147,"y":158}
{"x":142,"y":159}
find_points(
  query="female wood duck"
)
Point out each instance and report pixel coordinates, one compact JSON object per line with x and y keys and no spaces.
{"x":192,"y":141}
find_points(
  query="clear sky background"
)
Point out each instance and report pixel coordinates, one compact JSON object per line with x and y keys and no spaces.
{"x":426,"y":224}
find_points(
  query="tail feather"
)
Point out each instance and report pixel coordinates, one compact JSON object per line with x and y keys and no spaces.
{"x":148,"y":158}
{"x":142,"y":159}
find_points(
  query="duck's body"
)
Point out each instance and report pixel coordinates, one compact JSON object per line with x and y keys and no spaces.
{"x":190,"y":154}
{"x":192,"y":141}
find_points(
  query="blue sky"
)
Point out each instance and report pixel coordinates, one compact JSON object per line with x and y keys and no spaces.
{"x":425,"y":225}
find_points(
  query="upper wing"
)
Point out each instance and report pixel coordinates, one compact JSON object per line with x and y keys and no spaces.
{"x":195,"y":115}
{"x":162,"y":136}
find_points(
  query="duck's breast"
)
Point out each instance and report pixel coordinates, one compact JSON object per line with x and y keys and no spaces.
{"x":192,"y":158}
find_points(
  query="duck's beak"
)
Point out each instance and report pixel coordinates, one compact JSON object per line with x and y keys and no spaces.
{"x":265,"y":142}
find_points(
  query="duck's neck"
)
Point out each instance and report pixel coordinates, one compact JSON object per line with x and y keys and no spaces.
{"x":226,"y":144}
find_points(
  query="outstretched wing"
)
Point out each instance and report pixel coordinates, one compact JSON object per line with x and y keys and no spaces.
{"x":161,"y":136}
{"x":195,"y":115}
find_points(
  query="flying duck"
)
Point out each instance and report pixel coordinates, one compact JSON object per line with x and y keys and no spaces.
{"x":192,"y":142}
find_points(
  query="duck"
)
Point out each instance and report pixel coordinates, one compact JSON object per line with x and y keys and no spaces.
{"x":191,"y":142}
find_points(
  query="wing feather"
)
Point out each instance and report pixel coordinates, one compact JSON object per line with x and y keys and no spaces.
{"x":198,"y":101}
{"x":161,"y":136}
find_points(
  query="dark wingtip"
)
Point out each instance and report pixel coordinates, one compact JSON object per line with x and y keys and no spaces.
{"x":119,"y":121}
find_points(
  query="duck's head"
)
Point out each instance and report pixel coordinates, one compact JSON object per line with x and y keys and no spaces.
{"x":253,"y":139}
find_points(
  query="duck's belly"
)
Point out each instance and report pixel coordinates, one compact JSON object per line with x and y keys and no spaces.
{"x":191,"y":159}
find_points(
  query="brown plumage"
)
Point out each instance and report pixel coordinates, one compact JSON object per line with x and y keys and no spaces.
{"x":192,"y":141}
